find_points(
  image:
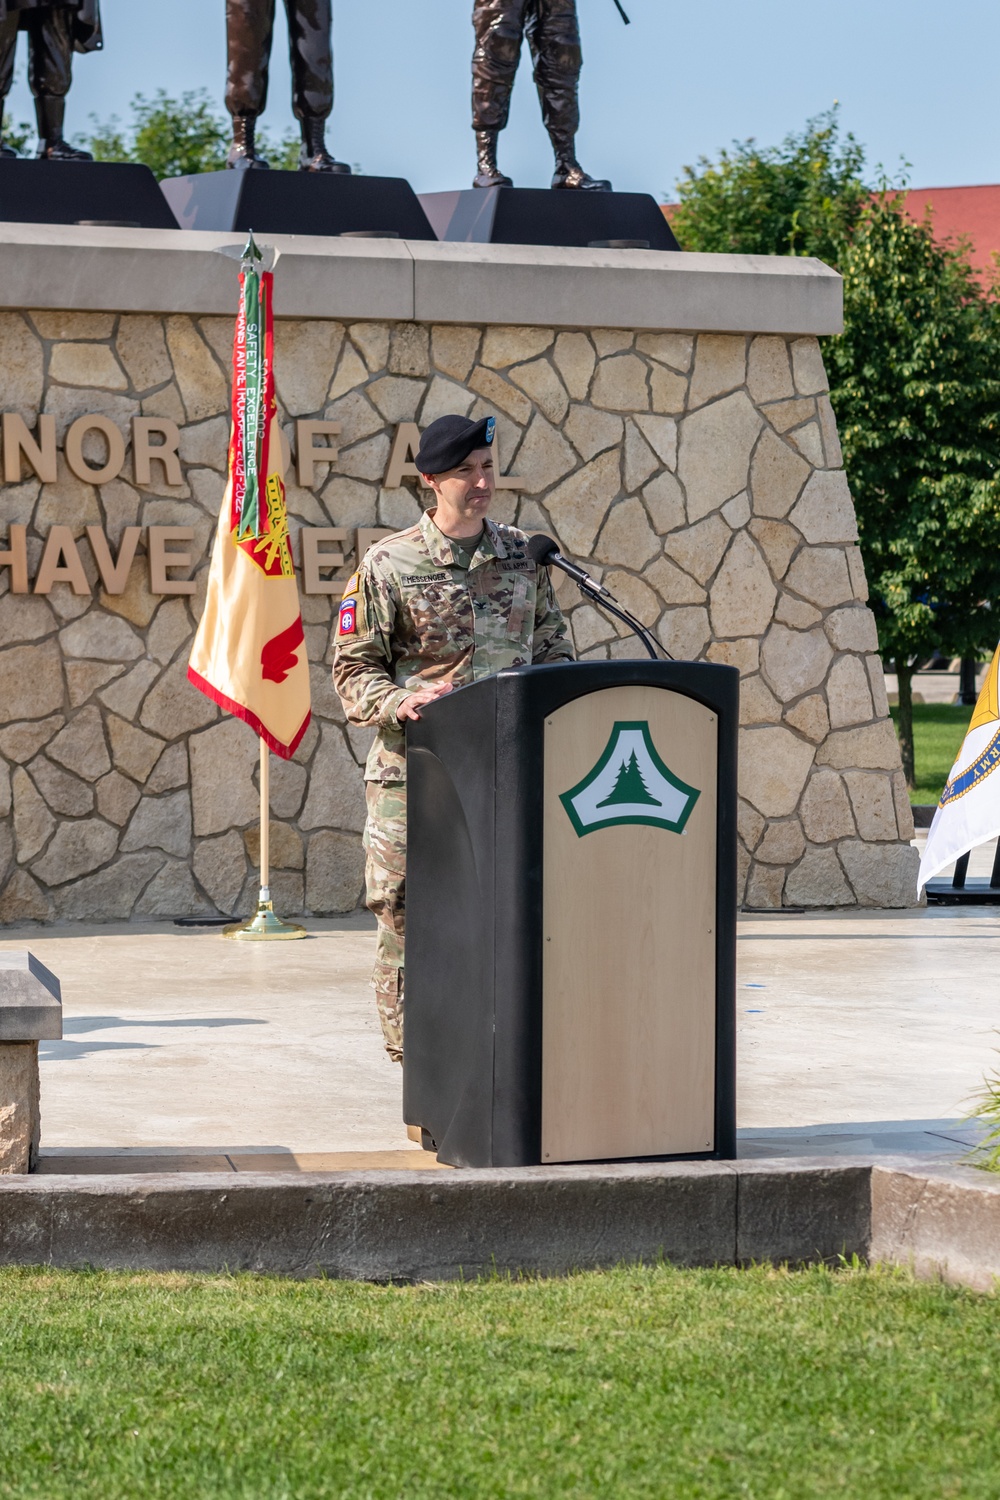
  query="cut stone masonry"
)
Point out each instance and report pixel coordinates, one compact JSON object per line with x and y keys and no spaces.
{"x":698,"y":475}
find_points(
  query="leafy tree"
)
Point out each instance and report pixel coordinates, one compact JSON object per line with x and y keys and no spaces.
{"x":913,"y":381}
{"x":20,"y":136}
{"x":177,"y":137}
{"x":915,"y":386}
{"x":799,"y":198}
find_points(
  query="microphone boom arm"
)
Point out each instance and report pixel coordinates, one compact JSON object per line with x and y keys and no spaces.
{"x":620,"y":613}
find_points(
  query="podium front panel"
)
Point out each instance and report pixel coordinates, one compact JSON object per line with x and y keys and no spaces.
{"x":571,"y":915}
{"x":629,"y":918}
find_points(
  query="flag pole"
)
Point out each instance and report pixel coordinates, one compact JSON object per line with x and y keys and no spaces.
{"x":250,"y":638}
{"x":265,"y":822}
{"x":264,"y":923}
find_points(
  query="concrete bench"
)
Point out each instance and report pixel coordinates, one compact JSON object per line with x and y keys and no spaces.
{"x":30,"y":1012}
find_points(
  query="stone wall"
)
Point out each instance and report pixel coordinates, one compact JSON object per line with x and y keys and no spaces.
{"x":699,"y":475}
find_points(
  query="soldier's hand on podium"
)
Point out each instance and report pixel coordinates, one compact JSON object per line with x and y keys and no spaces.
{"x":411,"y":706}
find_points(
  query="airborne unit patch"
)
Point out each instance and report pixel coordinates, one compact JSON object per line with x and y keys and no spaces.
{"x":348,"y":621}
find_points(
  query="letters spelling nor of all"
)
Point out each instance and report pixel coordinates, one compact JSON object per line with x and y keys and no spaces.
{"x":157,"y":440}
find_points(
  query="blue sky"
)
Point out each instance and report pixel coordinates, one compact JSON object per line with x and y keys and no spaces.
{"x":915,"y":81}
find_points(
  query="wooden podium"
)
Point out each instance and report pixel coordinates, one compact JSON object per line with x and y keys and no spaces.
{"x":571,"y":915}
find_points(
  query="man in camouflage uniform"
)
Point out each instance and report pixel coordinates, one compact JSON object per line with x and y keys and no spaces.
{"x":453,"y":599}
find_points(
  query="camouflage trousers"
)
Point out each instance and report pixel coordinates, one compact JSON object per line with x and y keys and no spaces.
{"x":385,"y":885}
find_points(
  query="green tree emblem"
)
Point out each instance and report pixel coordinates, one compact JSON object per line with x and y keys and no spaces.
{"x":629,"y":784}
{"x":629,"y":787}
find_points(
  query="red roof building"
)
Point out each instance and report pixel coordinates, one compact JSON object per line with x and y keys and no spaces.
{"x":957,"y":212}
{"x":972,"y":213}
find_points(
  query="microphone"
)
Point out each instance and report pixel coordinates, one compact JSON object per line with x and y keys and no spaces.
{"x":544,"y":553}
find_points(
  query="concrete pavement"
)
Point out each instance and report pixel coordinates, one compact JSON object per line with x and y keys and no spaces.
{"x":858,"y":1032}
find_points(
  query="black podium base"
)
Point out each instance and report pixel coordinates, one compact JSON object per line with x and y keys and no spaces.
{"x":541,"y":216}
{"x":297,"y":203}
{"x":82,"y":192}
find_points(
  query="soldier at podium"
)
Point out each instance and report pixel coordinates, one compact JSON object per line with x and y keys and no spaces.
{"x":449,"y":601}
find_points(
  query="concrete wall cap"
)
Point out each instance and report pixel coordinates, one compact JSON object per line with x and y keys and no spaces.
{"x":30,"y":999}
{"x":162,"y":271}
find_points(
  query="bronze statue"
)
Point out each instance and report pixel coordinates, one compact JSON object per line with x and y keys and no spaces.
{"x":553,"y":35}
{"x":249,"y":31}
{"x":56,"y":29}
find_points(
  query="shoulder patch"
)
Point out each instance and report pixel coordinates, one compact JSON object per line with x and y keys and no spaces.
{"x":352,"y":585}
{"x":347,"y":620}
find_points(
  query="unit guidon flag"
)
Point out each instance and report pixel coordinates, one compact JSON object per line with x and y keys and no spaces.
{"x":249,"y":653}
{"x":969,"y":810}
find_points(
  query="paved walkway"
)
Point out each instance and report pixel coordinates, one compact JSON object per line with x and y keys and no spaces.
{"x":857,"y":1032}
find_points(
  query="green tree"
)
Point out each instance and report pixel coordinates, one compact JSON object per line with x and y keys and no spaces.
{"x":912,"y":381}
{"x":799,"y":198}
{"x":915,"y":386}
{"x":629,"y":786}
{"x":178,"y":137}
{"x":20,"y":136}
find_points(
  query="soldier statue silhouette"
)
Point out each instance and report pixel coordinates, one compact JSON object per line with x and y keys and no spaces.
{"x":56,"y":29}
{"x":553,"y":35}
{"x":249,"y":32}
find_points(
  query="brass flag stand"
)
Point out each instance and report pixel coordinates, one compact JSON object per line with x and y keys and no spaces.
{"x":264,"y":925}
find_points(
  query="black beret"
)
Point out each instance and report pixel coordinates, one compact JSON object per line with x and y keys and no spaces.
{"x":449,"y":441}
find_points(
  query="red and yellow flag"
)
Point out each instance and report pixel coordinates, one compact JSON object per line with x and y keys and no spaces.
{"x":249,"y":652}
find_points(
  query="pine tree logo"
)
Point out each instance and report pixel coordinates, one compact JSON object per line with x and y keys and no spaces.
{"x":630,"y":787}
{"x":630,"y":784}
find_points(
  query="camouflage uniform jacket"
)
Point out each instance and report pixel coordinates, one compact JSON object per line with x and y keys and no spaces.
{"x":414,"y":614}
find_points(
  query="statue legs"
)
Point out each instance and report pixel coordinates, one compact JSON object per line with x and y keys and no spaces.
{"x":499,"y":28}
{"x":554,"y":39}
{"x":310,"y":31}
{"x":250,"y":31}
{"x":50,"y":73}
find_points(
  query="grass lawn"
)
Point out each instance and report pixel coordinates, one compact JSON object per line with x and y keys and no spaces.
{"x":938,"y":730}
{"x":678,"y":1385}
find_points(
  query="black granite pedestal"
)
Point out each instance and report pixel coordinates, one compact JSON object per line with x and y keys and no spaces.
{"x":272,"y":202}
{"x":82,"y":192}
{"x":541,"y":216}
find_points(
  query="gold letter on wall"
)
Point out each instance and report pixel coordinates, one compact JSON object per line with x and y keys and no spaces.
{"x":160,"y":559}
{"x":114,"y":575}
{"x":307,"y":452}
{"x":16,"y":559}
{"x":18,"y":443}
{"x":314,"y":560}
{"x":61,"y":563}
{"x":74,"y":449}
{"x":143,"y":451}
{"x":404,"y":446}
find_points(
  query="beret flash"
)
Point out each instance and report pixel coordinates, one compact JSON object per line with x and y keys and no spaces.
{"x":449,"y":441}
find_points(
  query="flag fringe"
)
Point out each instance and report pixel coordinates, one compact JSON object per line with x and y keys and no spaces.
{"x":240,"y":712}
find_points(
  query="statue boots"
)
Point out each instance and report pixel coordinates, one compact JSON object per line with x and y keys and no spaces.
{"x":314,"y":157}
{"x":569,"y":173}
{"x":52,"y":145}
{"x":489,"y":174}
{"x":243,"y":152}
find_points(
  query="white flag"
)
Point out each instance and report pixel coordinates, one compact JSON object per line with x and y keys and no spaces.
{"x":968,"y":813}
